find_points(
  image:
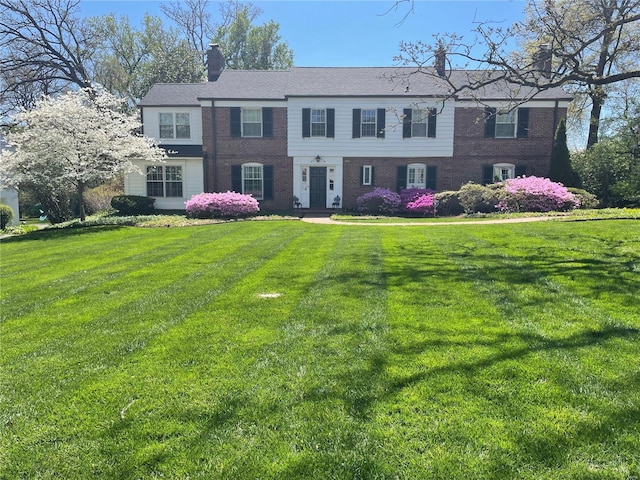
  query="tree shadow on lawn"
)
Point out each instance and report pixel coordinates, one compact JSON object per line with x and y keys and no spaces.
{"x":60,"y":233}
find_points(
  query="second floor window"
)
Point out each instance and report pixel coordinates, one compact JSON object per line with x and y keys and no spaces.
{"x":368,"y":122}
{"x":175,"y":125}
{"x":419,"y":122}
{"x":318,"y":123}
{"x":506,"y":123}
{"x":251,"y":122}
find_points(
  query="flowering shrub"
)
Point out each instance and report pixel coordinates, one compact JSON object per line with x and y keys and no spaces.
{"x":476,"y":198}
{"x":418,"y":201}
{"x":221,"y":205}
{"x":535,"y":194}
{"x":379,"y":201}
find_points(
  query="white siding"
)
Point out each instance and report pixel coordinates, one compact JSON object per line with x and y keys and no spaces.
{"x":151,"y":122}
{"x":393,"y":145}
{"x":192,"y":177}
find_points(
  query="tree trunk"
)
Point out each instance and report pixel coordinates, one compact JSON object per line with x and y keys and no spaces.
{"x":81,"y":201}
{"x":597,"y":101}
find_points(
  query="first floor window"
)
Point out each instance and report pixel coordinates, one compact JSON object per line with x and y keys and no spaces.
{"x":503,"y":171}
{"x":252,"y":122}
{"x":164,"y":181}
{"x":367,"y":175}
{"x":252,"y":180}
{"x":416,"y":176}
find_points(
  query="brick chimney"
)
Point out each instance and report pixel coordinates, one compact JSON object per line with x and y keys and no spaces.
{"x":440,"y":61}
{"x":215,"y":62}
{"x":542,"y":60}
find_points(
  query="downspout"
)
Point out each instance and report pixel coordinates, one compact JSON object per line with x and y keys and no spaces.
{"x":555,"y":127}
{"x":214,"y":154}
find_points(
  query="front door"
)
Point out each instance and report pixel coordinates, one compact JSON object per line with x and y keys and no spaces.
{"x":317,"y":187}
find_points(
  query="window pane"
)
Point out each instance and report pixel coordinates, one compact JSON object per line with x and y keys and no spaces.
{"x":505,"y":124}
{"x":317,"y":116}
{"x":154,"y":173}
{"x":368,"y":120}
{"x":183,"y":128}
{"x":173,"y":173}
{"x":154,"y":189}
{"x":174,"y":189}
{"x":252,"y":115}
{"x":252,"y":180}
{"x":419,"y":123}
{"x":166,"y":125}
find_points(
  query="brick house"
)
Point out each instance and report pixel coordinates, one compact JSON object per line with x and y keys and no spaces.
{"x":328,"y":135}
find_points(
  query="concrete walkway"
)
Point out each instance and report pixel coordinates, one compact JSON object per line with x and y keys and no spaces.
{"x":327,"y":220}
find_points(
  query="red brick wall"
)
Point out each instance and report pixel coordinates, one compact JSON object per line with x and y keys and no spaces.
{"x":228,"y":151}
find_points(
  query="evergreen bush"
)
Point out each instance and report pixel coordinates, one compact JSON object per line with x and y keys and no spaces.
{"x":6,"y":216}
{"x":133,"y":205}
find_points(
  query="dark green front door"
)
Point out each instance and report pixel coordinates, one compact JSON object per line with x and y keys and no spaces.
{"x":318,"y":187}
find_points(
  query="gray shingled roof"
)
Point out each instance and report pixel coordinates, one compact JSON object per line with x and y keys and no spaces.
{"x":329,"y":82}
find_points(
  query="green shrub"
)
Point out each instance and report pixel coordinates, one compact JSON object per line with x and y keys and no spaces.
{"x":587,"y":200}
{"x":98,"y":199}
{"x":133,"y":205}
{"x":448,"y":204}
{"x":6,"y":215}
{"x":476,"y":198}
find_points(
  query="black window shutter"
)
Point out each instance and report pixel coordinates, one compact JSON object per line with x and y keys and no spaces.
{"x":380,"y":123}
{"x":267,"y":173}
{"x":236,"y":122}
{"x":489,"y":122}
{"x":306,"y":122}
{"x":373,"y":178}
{"x":356,"y":123}
{"x":331,"y":122}
{"x":236,"y":178}
{"x":523,"y":122}
{"x":402,"y":178}
{"x":432,"y":175}
{"x":431,"y":126}
{"x":362,"y":175}
{"x":406,"y":123}
{"x":487,"y":174}
{"x":267,"y":122}
{"x":520,"y":170}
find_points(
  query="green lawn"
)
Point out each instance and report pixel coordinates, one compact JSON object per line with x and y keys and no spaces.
{"x":460,"y":351}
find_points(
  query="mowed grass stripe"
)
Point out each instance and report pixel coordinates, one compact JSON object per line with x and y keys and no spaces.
{"x":104,"y":342}
{"x":88,"y":269}
{"x":478,"y":375}
{"x":392,"y":352}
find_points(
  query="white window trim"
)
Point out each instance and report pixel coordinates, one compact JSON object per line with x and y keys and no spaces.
{"x":367,"y":170}
{"x":311,"y":122}
{"x":498,"y":170}
{"x":253,"y":164}
{"x":163,"y":181}
{"x":417,"y":166}
{"x":174,"y":125}
{"x":242,"y":122}
{"x":363,"y":123}
{"x":514,"y":123}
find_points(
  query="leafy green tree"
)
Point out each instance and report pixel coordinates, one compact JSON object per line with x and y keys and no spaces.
{"x":250,"y":47}
{"x":132,"y":60}
{"x":560,"y":169}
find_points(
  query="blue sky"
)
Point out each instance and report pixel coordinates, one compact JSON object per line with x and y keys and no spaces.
{"x":349,"y":33}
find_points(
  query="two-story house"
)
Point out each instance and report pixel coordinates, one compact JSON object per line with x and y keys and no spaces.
{"x":329,"y":135}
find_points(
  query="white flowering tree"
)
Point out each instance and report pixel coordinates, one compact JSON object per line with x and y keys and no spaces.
{"x":66,"y":144}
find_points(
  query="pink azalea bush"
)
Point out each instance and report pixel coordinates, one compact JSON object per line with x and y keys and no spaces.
{"x":379,"y":201}
{"x":535,"y":194}
{"x":423,"y":204}
{"x":221,"y":205}
{"x":418,"y":201}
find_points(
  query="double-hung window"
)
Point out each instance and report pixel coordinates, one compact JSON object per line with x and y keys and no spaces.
{"x":251,"y":122}
{"x":176,"y":125}
{"x":419,"y":122}
{"x":318,"y":123}
{"x":164,"y":181}
{"x":506,"y":123}
{"x":253,"y":180}
{"x":368,"y":122}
